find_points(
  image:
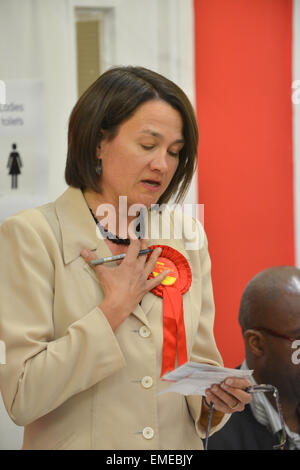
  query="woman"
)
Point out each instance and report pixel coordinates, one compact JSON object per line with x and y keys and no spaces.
{"x":85,"y":344}
{"x":14,"y":164}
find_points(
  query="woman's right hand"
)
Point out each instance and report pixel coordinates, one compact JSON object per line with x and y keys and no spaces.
{"x":124,"y":286}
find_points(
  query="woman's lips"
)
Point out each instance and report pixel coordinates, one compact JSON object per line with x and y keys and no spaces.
{"x":151,"y":185}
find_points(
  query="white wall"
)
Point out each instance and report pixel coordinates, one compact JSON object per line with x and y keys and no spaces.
{"x":157,"y":34}
{"x":37,"y":40}
{"x":296,"y":126}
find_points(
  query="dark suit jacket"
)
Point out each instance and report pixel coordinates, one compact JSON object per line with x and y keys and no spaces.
{"x":243,"y":432}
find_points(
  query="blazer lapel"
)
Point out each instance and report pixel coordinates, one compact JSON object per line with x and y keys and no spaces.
{"x":102,"y":251}
{"x":79,"y":231}
{"x":78,"y":228}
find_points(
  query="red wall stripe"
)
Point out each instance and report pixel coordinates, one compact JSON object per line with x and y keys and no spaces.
{"x":243,"y":53}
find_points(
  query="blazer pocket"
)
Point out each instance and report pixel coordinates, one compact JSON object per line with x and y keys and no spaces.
{"x":65,"y":442}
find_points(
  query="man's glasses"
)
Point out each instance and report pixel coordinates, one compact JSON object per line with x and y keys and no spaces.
{"x":273,"y":333}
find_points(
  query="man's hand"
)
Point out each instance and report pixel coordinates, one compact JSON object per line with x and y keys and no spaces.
{"x":230,"y":395}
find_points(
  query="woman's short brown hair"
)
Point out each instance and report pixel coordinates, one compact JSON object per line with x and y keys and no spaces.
{"x":106,"y":104}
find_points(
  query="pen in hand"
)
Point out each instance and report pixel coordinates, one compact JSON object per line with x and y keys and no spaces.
{"x":95,"y":262}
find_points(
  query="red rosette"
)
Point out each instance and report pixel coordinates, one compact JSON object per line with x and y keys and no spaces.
{"x":176,"y":283}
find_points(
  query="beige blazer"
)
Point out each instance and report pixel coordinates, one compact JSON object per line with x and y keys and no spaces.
{"x":68,"y":378}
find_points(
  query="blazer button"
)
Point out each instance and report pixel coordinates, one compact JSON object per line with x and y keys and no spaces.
{"x":148,"y":433}
{"x":147,"y":381}
{"x":144,"y":332}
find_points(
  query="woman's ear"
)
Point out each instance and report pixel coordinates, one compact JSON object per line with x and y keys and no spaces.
{"x":98,"y":149}
{"x":102,"y":136}
{"x":255,"y":342}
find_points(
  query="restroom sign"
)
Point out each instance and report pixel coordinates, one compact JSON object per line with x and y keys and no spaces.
{"x":23,"y":146}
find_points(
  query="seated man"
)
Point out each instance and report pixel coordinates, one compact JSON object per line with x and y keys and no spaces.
{"x":270,"y":320}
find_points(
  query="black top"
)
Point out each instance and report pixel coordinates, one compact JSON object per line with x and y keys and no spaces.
{"x":243,"y":432}
{"x":112,"y":237}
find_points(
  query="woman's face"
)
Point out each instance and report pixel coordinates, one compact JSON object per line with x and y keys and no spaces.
{"x":141,"y":160}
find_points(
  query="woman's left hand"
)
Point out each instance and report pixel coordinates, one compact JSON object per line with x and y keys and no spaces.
{"x":230,"y":395}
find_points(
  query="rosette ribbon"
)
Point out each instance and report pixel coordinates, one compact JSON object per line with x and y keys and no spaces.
{"x":175,"y":284}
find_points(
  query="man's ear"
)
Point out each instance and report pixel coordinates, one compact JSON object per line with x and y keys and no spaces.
{"x":255,"y":342}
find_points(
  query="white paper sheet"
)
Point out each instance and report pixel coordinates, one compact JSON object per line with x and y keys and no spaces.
{"x":194,"y":378}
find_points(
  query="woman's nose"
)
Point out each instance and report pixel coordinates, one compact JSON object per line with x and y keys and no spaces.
{"x":160,"y":162}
